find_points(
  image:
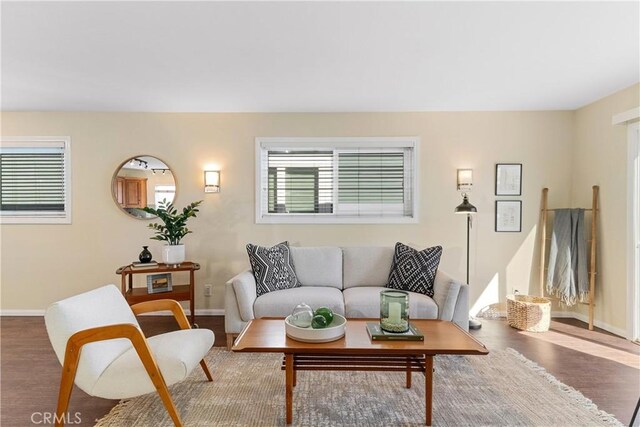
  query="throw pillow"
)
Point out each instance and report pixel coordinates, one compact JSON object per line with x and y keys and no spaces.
{"x":413,"y":270}
{"x":272,"y":268}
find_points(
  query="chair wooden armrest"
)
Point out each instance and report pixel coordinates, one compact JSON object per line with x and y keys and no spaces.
{"x":178,"y":313}
{"x":102,"y":333}
{"x":160,"y":305}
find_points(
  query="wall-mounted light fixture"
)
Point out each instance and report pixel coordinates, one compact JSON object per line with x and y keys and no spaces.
{"x":465,"y":179}
{"x":211,"y":181}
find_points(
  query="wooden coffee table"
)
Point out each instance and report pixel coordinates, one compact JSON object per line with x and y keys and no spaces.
{"x":356,"y":352}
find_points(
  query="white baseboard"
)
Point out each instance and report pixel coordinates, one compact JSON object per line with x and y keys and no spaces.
{"x":563,"y":314}
{"x":602,"y":325}
{"x":573,"y":315}
{"x":209,"y":311}
{"x":199,"y":312}
{"x":585,"y":318}
{"x":21,"y":313}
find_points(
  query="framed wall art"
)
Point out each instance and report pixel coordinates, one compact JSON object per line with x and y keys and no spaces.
{"x":509,"y":179}
{"x":509,"y":216}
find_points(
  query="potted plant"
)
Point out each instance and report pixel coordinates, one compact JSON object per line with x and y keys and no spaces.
{"x":173,"y":230}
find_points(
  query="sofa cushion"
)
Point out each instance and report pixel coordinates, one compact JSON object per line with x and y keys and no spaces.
{"x":365,"y":302}
{"x":321,"y":266}
{"x":413,"y":270}
{"x":282,"y":303}
{"x":272,"y":267}
{"x":367,"y":266}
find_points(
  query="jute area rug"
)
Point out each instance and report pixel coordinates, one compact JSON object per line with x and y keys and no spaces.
{"x":501,"y":389}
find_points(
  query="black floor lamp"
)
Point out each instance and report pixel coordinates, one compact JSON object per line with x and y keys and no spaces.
{"x":467,"y":208}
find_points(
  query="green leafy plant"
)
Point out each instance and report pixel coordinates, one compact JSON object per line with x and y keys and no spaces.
{"x":175,"y":222}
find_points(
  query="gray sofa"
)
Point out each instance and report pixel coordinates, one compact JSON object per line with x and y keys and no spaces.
{"x":347,"y":280}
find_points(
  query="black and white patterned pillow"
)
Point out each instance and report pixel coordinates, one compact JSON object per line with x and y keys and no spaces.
{"x":272,"y":268}
{"x":413,"y":270}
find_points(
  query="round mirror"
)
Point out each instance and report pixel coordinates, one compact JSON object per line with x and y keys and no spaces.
{"x":142,"y":181}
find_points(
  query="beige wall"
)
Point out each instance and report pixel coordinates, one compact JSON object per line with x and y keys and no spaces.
{"x":43,"y":263}
{"x":600,"y":158}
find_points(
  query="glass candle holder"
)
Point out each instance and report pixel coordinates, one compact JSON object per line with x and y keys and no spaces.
{"x":394,"y":311}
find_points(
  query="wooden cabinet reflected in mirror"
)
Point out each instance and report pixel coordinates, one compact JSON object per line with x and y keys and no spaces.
{"x":142,"y":181}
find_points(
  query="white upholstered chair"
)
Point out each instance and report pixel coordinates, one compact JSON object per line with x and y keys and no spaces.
{"x":103,"y":351}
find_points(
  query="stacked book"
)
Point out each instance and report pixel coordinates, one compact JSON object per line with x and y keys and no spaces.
{"x":377,"y":334}
{"x":144,"y":265}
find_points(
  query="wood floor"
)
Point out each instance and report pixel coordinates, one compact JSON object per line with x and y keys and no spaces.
{"x":605,"y":368}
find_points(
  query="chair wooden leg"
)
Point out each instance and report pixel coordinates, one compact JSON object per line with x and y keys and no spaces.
{"x":69,"y":368}
{"x":156,"y":378}
{"x":205,"y":368}
{"x":163,"y":391}
{"x":230,"y":339}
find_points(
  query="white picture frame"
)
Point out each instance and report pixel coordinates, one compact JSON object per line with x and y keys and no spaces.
{"x":508,"y":216}
{"x":509,"y":179}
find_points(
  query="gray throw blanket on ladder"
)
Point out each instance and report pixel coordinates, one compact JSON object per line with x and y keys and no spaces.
{"x":567,"y":276}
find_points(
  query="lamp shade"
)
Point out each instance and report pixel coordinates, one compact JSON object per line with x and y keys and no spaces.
{"x":465,"y":207}
{"x":465,"y":179}
{"x":211,"y":181}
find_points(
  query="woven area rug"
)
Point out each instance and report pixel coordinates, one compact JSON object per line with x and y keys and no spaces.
{"x":501,"y":389}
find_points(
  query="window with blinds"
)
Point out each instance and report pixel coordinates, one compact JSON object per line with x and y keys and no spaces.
{"x":34,"y":180}
{"x":304,"y":180}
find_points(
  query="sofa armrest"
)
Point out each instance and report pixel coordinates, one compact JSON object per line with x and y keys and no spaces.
{"x":452,"y":298}
{"x":244,"y":287}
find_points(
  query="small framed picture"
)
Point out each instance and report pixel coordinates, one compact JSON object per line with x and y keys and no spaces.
{"x":159,"y":283}
{"x":509,"y":179}
{"x":509,"y":216}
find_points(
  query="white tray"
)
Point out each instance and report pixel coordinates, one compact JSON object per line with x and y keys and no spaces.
{"x":333,"y":332}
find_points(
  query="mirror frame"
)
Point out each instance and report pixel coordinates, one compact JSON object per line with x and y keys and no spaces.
{"x":115,"y":175}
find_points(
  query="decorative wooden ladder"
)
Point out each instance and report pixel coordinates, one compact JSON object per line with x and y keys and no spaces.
{"x":593,"y":245}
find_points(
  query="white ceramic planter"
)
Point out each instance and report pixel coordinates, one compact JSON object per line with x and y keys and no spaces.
{"x":173,"y":254}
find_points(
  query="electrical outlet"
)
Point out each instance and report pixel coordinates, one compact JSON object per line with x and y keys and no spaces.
{"x":208,"y":290}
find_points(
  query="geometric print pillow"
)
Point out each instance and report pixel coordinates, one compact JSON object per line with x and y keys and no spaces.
{"x":413,"y":270}
{"x":272,"y":268}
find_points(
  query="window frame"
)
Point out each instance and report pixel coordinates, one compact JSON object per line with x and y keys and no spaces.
{"x":156,"y":191}
{"x":42,"y":217}
{"x":263,"y":144}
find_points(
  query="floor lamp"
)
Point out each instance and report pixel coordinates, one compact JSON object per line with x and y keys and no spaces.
{"x":466,"y":208}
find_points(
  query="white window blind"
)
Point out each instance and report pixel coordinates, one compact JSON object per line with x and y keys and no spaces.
{"x":336,"y":180}
{"x":34,"y":180}
{"x":164,"y":192}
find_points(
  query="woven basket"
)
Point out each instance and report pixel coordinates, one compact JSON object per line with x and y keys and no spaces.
{"x":529,"y":313}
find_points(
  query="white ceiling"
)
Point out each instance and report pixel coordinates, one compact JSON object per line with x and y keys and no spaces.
{"x":315,"y":56}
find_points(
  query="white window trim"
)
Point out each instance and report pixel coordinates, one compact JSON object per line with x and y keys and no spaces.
{"x":631,"y":119}
{"x":42,"y":217}
{"x":333,"y":142}
{"x":633,"y":225}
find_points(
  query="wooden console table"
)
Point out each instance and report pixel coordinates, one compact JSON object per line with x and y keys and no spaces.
{"x":179,"y":292}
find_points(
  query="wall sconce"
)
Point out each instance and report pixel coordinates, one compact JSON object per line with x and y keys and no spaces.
{"x":465,"y":179}
{"x":211,"y":181}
